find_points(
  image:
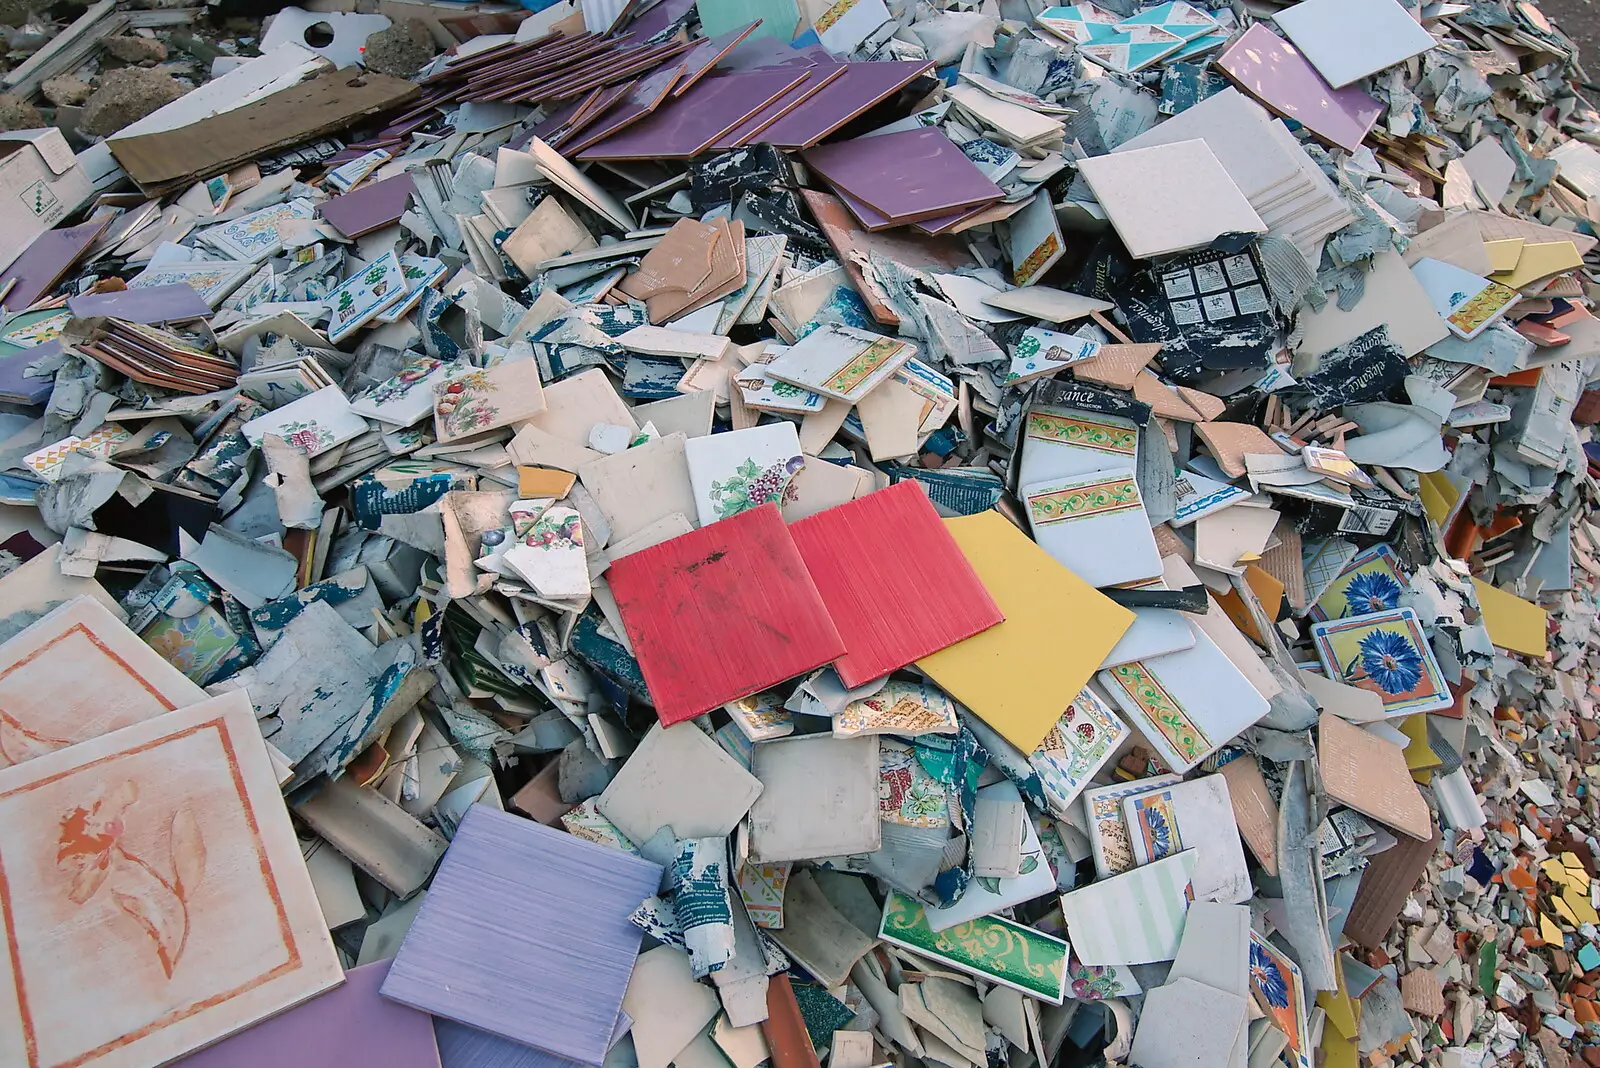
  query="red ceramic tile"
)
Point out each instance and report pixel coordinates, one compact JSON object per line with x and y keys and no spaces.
{"x":721,"y":613}
{"x":895,"y":582}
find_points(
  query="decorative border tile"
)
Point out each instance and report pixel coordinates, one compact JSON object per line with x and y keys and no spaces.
{"x":1083,"y":433}
{"x":1161,"y":709}
{"x":863,"y":364}
{"x":1081,"y":502}
{"x":989,"y":947}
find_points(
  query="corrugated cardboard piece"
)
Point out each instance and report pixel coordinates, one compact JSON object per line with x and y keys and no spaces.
{"x":331,"y":101}
{"x":41,"y":183}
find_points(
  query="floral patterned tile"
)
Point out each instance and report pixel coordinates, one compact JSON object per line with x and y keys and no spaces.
{"x":479,"y":399}
{"x":739,"y":470}
{"x":313,"y":424}
{"x":1387,"y":653}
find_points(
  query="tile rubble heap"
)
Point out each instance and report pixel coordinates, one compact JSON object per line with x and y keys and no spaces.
{"x":724,"y":532}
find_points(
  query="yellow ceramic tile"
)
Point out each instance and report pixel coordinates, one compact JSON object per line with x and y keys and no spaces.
{"x":1503,"y":255}
{"x":1578,"y":902}
{"x":1339,"y":1006}
{"x":1540,"y":261}
{"x":1555,"y":871}
{"x":1019,"y":676}
{"x":1564,"y":911}
{"x":1418,"y":755}
{"x":1513,"y":623}
{"x":1575,"y":868}
{"x":1439,"y":496}
{"x":1549,"y":931}
{"x":1339,"y":1052}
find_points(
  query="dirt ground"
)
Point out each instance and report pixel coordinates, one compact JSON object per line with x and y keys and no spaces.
{"x":1580,"y":20}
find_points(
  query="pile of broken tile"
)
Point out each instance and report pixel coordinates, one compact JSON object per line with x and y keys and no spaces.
{"x":710,"y":534}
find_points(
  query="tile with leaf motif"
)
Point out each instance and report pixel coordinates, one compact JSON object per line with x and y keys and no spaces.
{"x":359,"y":298}
{"x":405,"y":398}
{"x":1077,"y":747}
{"x":993,"y":949}
{"x":1095,"y":526}
{"x":313,"y":424}
{"x":1187,"y":704}
{"x":841,"y":361}
{"x":155,"y":898}
{"x":738,"y":470}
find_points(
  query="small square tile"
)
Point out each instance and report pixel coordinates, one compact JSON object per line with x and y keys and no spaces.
{"x":721,"y":613}
{"x":525,"y":934}
{"x":893,"y":579}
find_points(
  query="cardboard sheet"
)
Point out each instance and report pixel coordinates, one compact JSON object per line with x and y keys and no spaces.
{"x":331,"y":101}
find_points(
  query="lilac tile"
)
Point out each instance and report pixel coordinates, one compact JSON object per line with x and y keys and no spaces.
{"x":557,"y":119}
{"x":754,"y":53}
{"x":15,"y":385}
{"x":643,"y":97}
{"x":461,"y":1046}
{"x":908,"y":176}
{"x":608,"y":98}
{"x":748,"y":128}
{"x":687,"y":124}
{"x":371,"y":207}
{"x":525,"y":934}
{"x":658,"y":18}
{"x":706,"y":53}
{"x":1274,"y":72}
{"x":873,"y":219}
{"x":862,"y":86}
{"x":348,"y":1027}
{"x":45,"y":260}
{"x":154,"y":304}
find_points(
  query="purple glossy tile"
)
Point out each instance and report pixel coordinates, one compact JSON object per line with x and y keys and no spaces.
{"x":371,"y":207}
{"x":43,"y":263}
{"x":525,"y":935}
{"x":461,"y":1046}
{"x":687,"y":124}
{"x":908,"y":176}
{"x":153,"y":304}
{"x":348,"y":1027}
{"x":862,"y":86}
{"x":1274,"y":72}
{"x":748,"y":128}
{"x":15,"y":386}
